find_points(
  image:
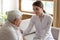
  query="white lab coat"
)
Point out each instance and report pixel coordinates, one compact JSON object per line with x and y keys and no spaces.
{"x":43,"y":28}
{"x":10,"y":32}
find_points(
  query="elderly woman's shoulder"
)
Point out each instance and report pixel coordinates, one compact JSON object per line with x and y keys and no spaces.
{"x":6,"y":28}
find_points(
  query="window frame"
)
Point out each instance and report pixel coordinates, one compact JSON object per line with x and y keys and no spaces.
{"x":29,"y":11}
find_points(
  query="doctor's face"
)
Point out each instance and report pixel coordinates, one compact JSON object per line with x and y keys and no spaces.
{"x":37,"y":10}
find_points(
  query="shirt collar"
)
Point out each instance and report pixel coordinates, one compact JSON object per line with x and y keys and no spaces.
{"x":14,"y":26}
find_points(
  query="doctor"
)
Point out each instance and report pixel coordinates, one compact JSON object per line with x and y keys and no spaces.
{"x":10,"y":30}
{"x":42,"y":22}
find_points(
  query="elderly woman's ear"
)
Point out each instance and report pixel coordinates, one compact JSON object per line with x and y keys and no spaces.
{"x":14,"y":21}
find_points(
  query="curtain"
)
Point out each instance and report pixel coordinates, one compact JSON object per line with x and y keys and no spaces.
{"x":56,"y":22}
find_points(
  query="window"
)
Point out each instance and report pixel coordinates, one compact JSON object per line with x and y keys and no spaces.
{"x":49,"y":6}
{"x":0,"y":6}
{"x":26,"y":6}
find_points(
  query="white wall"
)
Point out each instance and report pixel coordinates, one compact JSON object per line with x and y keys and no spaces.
{"x":0,"y":5}
{"x":10,"y":5}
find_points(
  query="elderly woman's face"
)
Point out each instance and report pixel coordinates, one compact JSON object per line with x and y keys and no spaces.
{"x":17,"y":22}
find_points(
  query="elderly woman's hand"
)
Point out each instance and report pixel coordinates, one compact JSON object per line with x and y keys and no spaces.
{"x":24,"y":38}
{"x":23,"y":35}
{"x":21,"y":31}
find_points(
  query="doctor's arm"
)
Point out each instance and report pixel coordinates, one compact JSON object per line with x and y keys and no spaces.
{"x":30,"y":26}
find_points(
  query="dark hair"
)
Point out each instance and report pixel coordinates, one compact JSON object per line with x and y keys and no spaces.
{"x":39,"y":4}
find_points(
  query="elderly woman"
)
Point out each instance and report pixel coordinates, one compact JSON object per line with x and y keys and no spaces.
{"x":10,"y":30}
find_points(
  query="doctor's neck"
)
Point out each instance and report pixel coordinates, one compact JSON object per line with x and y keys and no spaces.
{"x":41,"y":15}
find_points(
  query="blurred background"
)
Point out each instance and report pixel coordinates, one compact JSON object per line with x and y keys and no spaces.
{"x":52,"y":7}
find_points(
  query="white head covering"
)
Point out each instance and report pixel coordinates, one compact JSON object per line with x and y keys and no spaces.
{"x":13,"y":14}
